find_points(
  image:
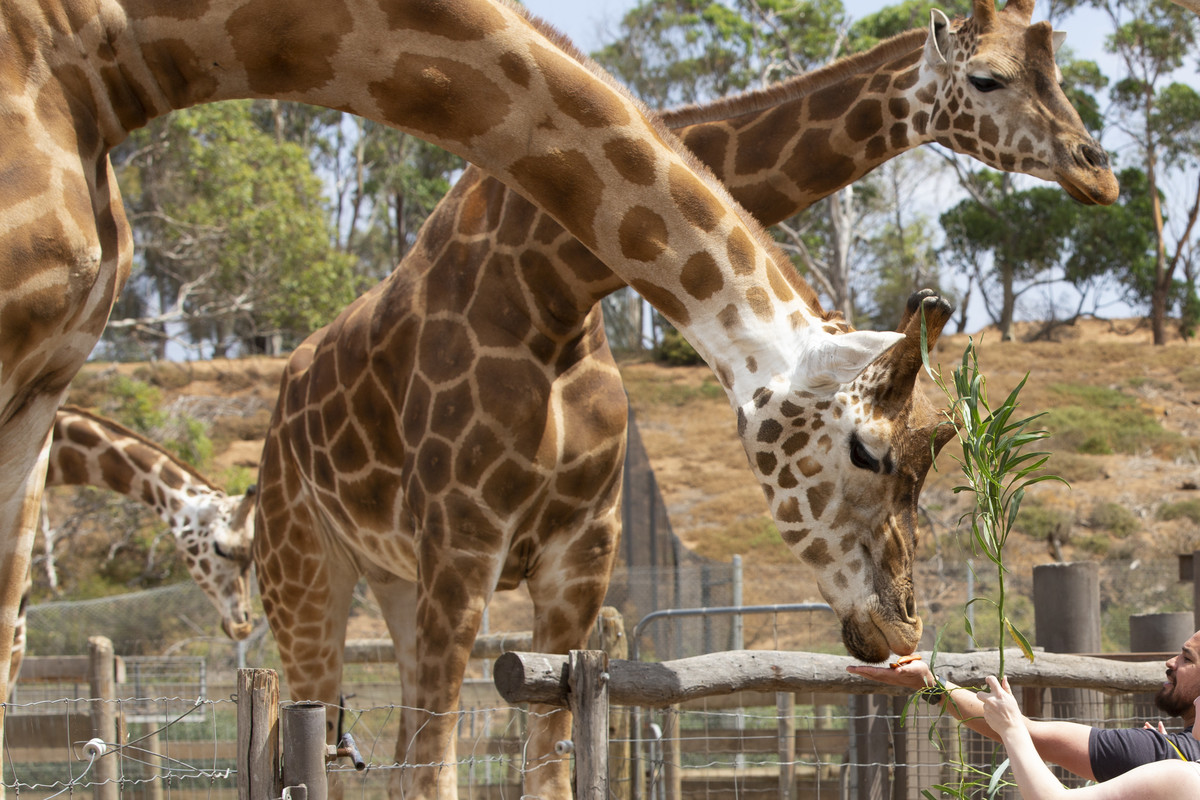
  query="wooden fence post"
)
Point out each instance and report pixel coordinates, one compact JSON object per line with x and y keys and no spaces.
{"x":102,"y":679}
{"x":258,"y":735}
{"x":785,"y":710}
{"x":588,"y":693}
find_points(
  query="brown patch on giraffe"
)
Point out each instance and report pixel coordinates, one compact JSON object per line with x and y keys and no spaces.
{"x":663,"y":299}
{"x":769,"y":432}
{"x":965,"y":122}
{"x":564,"y":77}
{"x":899,"y":107}
{"x":68,"y":469}
{"x":790,"y":409}
{"x":515,"y":222}
{"x":778,"y":279}
{"x":740,"y":250}
{"x":815,"y":165}
{"x":786,"y":479}
{"x":817,"y":554}
{"x":566,"y":185}
{"x":758,"y":145}
{"x":440,"y":97}
{"x":794,"y":536}
{"x":508,"y":487}
{"x":766,"y":462}
{"x":642,"y":234}
{"x":920,"y":122}
{"x":809,"y":466}
{"x":864,"y":120}
{"x":117,"y":470}
{"x":709,"y":144}
{"x":751,"y":364}
{"x":834,"y":102}
{"x":966,"y":144}
{"x":701,"y":277}
{"x":876,"y":149}
{"x":729,"y":317}
{"x":452,"y":410}
{"x":519,"y":388}
{"x":286,"y":49}
{"x":583,"y":263}
{"x":434,"y":464}
{"x":770,"y":205}
{"x":446,"y":350}
{"x":694,"y":199}
{"x":449,"y":19}
{"x":788,"y":511}
{"x":633,"y":158}
{"x":898,"y":136}
{"x":819,"y":497}
{"x":769,"y":491}
{"x":515,"y":69}
{"x":795,"y":443}
{"x":415,"y":420}
{"x":760,"y":303}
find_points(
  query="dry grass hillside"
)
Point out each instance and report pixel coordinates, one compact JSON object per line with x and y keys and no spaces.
{"x":1126,"y":417}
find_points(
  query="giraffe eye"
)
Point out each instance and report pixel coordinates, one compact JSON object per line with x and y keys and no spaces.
{"x":984,"y":83}
{"x":221,"y":551}
{"x":861,"y":457}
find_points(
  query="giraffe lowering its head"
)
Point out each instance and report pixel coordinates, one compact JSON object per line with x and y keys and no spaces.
{"x":461,"y":428}
{"x":212,"y":530}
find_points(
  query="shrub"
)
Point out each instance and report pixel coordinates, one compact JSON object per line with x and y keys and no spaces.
{"x":676,"y":351}
{"x":1185,"y":509}
{"x":1115,"y":518}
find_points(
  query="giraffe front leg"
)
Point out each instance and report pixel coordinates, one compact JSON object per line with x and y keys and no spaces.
{"x":568,"y":590}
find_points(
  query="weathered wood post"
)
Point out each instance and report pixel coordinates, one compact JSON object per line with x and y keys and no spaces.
{"x":304,"y":749}
{"x":609,"y":635}
{"x":587,"y":680}
{"x":258,"y":735}
{"x":102,"y":685}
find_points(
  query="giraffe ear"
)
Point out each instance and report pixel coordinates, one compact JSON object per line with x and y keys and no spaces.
{"x":835,"y":359}
{"x":1057,"y":38}
{"x":938,"y":43}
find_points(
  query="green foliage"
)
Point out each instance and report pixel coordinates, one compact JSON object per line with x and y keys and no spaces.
{"x":675,"y":350}
{"x":135,"y":404}
{"x":1103,"y":421}
{"x":1041,"y":522}
{"x":1184,"y":509}
{"x":236,"y":480}
{"x":1115,"y":518}
{"x":191,"y":442}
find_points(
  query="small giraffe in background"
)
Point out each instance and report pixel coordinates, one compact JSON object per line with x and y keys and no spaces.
{"x":461,"y":428}
{"x":212,"y":530}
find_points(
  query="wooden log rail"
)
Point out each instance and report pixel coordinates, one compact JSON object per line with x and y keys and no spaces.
{"x":542,"y":678}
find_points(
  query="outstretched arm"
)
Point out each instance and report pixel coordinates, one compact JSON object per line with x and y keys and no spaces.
{"x":1063,"y":743}
{"x":1157,"y":781}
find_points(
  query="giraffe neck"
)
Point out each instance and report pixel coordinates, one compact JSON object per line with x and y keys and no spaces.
{"x":780,"y":149}
{"x":474,"y":78}
{"x":89,"y":450}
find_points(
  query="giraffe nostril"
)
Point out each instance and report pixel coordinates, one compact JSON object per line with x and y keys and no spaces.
{"x":1094,"y":156}
{"x":910,"y":607}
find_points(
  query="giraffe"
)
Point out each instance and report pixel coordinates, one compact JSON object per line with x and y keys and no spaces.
{"x":469,"y":404}
{"x":212,"y":530}
{"x":476,"y":77}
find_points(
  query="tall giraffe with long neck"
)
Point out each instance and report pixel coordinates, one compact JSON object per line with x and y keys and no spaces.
{"x":212,"y":530}
{"x":461,"y":427}
{"x":474,"y":76}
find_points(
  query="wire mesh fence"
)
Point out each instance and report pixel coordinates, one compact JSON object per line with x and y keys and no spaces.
{"x":178,"y":734}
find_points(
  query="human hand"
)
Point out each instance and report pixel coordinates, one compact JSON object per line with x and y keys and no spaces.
{"x":913,"y":674}
{"x":1000,"y":709}
{"x":1161,"y":728}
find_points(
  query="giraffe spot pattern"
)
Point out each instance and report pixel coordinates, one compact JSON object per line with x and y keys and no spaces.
{"x":730,"y":318}
{"x":795,"y":443}
{"x":441,"y":98}
{"x":445,"y":350}
{"x":633,"y":159}
{"x":760,"y":303}
{"x":794,"y":536}
{"x":450,"y":19}
{"x":769,"y":432}
{"x":834,"y":102}
{"x":591,"y":109}
{"x":286,"y":48}
{"x":567,"y":186}
{"x":741,"y":252}
{"x":777,"y":278}
{"x":701,"y":277}
{"x":766,"y":463}
{"x":788,"y":511}
{"x":708,"y":143}
{"x":864,"y":120}
{"x":663,"y":299}
{"x":508,"y":487}
{"x":521,"y":388}
{"x":809,"y":466}
{"x":695,"y":200}
{"x":642,"y":234}
{"x":817,"y":554}
{"x":816,"y":165}
{"x":819,"y":497}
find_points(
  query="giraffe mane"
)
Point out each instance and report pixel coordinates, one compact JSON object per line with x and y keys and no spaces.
{"x":698,"y":167}
{"x":105,"y":422}
{"x":798,"y":86}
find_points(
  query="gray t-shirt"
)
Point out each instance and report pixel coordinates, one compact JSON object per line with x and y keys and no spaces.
{"x":1113,"y":752}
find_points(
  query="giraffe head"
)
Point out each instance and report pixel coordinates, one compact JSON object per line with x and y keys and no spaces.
{"x":997,"y":97}
{"x":215,"y":537}
{"x":841,"y":451}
